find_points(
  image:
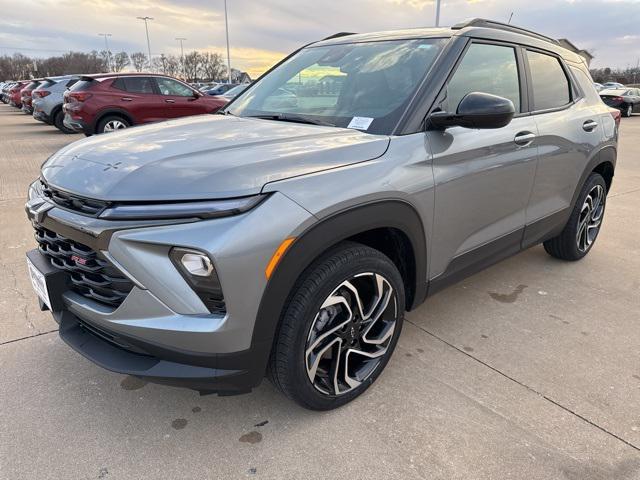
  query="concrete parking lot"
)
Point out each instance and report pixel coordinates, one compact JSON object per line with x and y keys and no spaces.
{"x":528,"y":370}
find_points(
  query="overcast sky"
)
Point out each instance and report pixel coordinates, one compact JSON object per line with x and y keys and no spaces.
{"x":261,"y":32}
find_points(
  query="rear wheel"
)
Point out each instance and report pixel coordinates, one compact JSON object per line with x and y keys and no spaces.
{"x":112,"y":123}
{"x":627,"y":110}
{"x":58,"y":121}
{"x":582,"y":229}
{"x":339,"y":327}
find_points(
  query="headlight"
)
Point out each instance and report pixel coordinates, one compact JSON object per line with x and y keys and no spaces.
{"x":165,"y":211}
{"x":197,"y":269}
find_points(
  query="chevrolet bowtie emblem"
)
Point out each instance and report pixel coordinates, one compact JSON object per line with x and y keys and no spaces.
{"x":112,"y":166}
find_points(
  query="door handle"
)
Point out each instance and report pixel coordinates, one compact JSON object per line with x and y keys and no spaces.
{"x":524,"y":138}
{"x":168,"y":100}
{"x":589,"y":125}
{"x":126,"y":99}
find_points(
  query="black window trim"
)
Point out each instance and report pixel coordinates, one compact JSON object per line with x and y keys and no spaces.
{"x":574,"y":93}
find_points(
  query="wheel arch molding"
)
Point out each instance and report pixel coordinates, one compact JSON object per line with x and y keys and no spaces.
{"x":396,"y":219}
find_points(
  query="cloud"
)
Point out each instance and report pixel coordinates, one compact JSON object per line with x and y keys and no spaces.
{"x":263,"y":32}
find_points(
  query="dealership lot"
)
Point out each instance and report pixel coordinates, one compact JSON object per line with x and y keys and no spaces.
{"x":530,"y":369}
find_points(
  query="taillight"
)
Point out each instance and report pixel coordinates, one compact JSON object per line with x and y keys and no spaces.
{"x":617,"y":115}
{"x":618,"y":99}
{"x":78,"y":96}
{"x":40,"y":93}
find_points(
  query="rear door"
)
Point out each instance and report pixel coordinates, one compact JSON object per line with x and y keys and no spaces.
{"x":138,"y":96}
{"x":181,"y":100}
{"x":569,"y":132}
{"x":483,"y":177}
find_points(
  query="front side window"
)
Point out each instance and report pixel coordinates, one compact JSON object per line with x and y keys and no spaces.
{"x":359,"y":85}
{"x":550,"y":85}
{"x":168,"y":86}
{"x":487,"y":69}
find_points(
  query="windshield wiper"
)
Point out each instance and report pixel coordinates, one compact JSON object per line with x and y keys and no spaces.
{"x":286,"y":117}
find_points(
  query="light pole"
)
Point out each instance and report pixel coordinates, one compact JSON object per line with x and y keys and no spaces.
{"x":226,"y":24}
{"x":438,"y":13}
{"x":184,"y":73}
{"x":146,"y":28}
{"x":106,"y":46}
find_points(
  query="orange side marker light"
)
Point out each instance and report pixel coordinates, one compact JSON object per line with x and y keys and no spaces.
{"x":277,"y":255}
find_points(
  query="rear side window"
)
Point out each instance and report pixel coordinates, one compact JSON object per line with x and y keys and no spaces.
{"x":586,"y":85}
{"x":82,"y":85}
{"x":487,"y":69}
{"x":71,"y":82}
{"x":46,"y":83}
{"x":551,"y":88}
{"x":134,"y":84}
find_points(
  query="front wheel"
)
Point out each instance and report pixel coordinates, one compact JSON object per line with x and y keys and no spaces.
{"x":582,"y":229}
{"x":339,"y":327}
{"x":627,"y":110}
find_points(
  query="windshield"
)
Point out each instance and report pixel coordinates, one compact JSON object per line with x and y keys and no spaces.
{"x":360,"y":85}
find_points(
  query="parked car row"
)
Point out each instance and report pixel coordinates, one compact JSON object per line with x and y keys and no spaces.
{"x":101,"y":103}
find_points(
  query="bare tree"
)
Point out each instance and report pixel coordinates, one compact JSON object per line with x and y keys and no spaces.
{"x":119,"y":61}
{"x":139,"y":60}
{"x":212,"y":66}
{"x":192,"y":66}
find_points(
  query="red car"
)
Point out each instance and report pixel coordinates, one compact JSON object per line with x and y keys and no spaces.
{"x":15,"y":99}
{"x":107,"y":102}
{"x":25,"y":95}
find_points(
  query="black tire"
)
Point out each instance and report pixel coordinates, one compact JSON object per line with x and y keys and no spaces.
{"x":288,"y":365}
{"x":567,"y":246}
{"x":109,"y":119}
{"x":58,"y":122}
{"x":627,"y":110}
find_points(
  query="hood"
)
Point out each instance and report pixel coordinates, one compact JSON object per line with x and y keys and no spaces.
{"x":203,"y":157}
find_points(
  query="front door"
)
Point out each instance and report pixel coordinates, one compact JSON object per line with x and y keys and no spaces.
{"x":179,"y":98}
{"x":483,"y":178}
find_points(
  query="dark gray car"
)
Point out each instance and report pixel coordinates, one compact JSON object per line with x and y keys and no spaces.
{"x":288,"y":238}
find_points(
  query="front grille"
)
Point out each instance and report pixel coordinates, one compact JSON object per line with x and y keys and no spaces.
{"x":87,"y":206}
{"x":92,"y":275}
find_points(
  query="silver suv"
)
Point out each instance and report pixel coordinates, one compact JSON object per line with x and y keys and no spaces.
{"x":288,"y":235}
{"x":47,"y":100}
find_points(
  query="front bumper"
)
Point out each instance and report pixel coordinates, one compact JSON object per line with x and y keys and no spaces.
{"x":162,"y":331}
{"x":108,"y":350}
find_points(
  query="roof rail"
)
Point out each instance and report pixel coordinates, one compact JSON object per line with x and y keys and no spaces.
{"x":483,"y":22}
{"x":338,"y":35}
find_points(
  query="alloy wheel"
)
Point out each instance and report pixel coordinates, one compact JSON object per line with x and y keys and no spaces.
{"x":113,"y":125}
{"x":629,"y":110}
{"x":351,"y":333}
{"x":590,"y":218}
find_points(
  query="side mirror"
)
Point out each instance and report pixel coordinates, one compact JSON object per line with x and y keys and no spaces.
{"x":476,"y":110}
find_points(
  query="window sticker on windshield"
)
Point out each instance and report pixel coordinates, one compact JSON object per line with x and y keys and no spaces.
{"x":360,"y":123}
